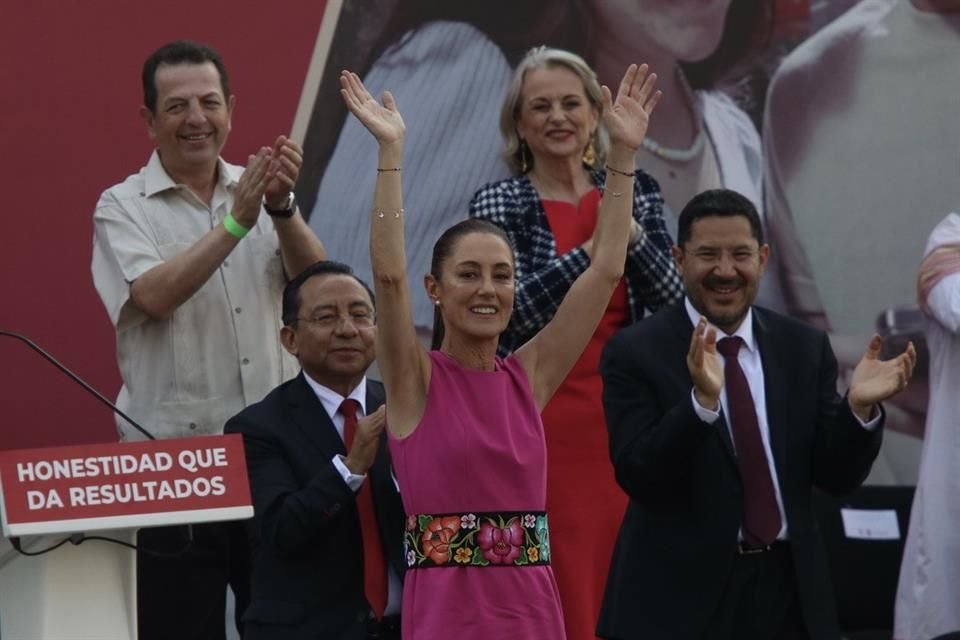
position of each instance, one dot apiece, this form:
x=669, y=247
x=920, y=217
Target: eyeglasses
x=359, y=319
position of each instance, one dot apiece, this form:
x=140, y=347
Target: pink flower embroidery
x=500, y=545
x=468, y=521
x=530, y=520
x=412, y=520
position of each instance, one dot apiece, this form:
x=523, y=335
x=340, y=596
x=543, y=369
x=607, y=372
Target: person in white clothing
x=190, y=269
x=929, y=588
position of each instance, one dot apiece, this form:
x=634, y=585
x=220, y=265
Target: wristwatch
x=286, y=211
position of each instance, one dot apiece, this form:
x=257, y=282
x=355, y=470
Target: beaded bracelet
x=234, y=228
x=618, y=172
x=379, y=170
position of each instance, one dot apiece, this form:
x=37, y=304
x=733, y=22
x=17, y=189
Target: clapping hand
x=705, y=366
x=363, y=451
x=382, y=120
x=251, y=187
x=876, y=380
x=628, y=116
x=286, y=158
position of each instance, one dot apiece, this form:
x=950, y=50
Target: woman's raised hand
x=628, y=116
x=382, y=120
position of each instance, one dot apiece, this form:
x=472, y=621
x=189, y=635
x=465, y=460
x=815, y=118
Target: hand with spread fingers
x=705, y=366
x=363, y=451
x=876, y=380
x=627, y=117
x=251, y=187
x=382, y=120
x=286, y=158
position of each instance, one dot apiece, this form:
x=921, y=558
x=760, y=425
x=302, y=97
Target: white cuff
x=870, y=425
x=707, y=415
x=353, y=480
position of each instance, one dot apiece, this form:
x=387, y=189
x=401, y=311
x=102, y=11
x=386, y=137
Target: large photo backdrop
x=837, y=118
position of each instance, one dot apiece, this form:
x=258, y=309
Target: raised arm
x=403, y=361
x=543, y=278
x=549, y=355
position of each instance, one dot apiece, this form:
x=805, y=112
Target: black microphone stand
x=79, y=538
x=70, y=374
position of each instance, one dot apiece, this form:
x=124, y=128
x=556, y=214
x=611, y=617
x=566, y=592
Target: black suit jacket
x=307, y=550
x=678, y=540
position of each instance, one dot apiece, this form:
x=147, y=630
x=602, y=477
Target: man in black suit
x=719, y=453
x=328, y=524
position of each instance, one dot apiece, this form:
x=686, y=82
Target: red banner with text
x=128, y=484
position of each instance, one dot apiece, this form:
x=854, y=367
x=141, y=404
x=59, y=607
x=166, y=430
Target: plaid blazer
x=543, y=278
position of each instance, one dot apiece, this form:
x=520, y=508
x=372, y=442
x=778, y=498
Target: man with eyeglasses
x=190, y=257
x=328, y=525
x=723, y=417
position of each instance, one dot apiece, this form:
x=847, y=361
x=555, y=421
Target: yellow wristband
x=234, y=228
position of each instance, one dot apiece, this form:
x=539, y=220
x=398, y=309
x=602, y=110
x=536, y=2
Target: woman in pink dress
x=464, y=425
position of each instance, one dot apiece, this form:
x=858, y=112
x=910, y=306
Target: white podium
x=75, y=592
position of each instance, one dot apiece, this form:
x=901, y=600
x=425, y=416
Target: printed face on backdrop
x=688, y=30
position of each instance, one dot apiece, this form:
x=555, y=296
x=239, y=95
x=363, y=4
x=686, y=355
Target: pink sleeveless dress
x=478, y=448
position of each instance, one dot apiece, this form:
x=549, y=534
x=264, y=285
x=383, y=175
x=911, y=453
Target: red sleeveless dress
x=584, y=502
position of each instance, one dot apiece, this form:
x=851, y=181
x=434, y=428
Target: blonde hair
x=539, y=58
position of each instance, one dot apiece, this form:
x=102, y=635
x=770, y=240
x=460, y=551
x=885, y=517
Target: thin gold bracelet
x=618, y=172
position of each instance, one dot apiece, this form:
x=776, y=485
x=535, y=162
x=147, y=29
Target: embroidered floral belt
x=480, y=539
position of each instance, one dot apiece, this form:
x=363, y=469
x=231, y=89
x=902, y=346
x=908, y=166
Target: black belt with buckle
x=385, y=628
x=746, y=549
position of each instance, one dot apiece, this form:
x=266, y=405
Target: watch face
x=285, y=211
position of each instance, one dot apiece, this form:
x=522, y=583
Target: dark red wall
x=69, y=128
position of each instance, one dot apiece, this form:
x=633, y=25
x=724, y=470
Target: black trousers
x=183, y=596
x=761, y=600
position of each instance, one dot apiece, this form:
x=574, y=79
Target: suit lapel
x=312, y=420
x=776, y=384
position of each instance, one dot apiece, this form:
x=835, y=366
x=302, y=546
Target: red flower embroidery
x=436, y=538
x=500, y=545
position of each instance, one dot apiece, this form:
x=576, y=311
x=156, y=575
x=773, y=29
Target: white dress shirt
x=331, y=401
x=752, y=366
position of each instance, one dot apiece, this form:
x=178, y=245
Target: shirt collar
x=744, y=331
x=331, y=400
x=156, y=178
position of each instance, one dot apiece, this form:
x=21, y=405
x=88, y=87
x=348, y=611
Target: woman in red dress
x=556, y=144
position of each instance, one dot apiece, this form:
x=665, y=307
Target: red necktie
x=761, y=516
x=374, y=567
